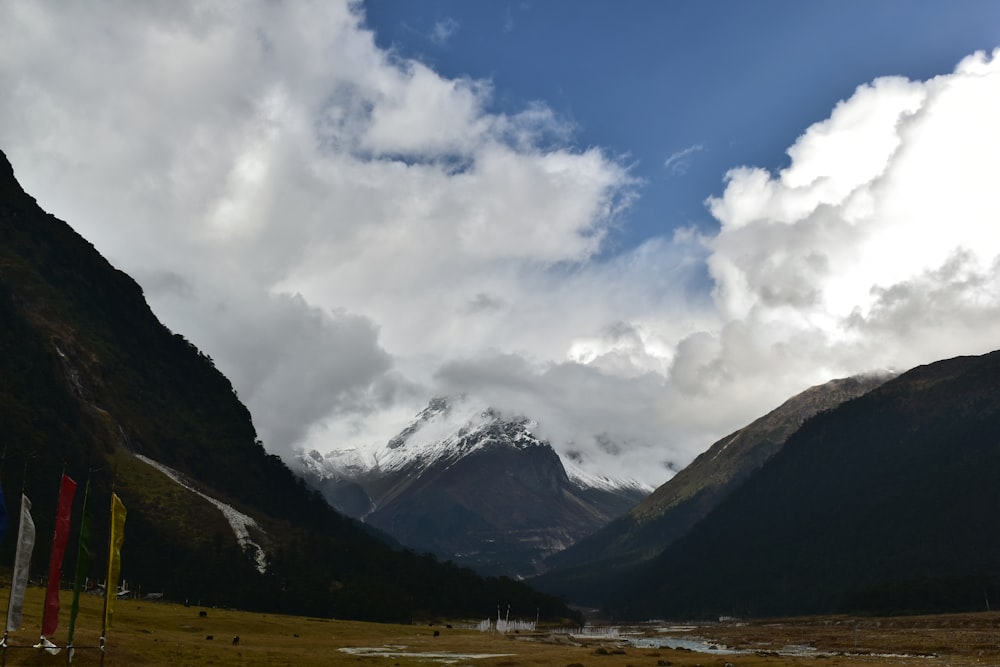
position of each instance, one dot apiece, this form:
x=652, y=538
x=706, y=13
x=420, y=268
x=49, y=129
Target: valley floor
x=953, y=639
x=160, y=633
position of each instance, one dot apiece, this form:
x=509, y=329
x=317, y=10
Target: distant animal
x=209, y=637
x=236, y=640
x=202, y=614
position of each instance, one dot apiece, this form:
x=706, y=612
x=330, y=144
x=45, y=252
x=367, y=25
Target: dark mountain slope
x=91, y=381
x=885, y=504
x=497, y=509
x=586, y=571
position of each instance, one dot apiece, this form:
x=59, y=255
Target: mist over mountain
x=93, y=385
x=591, y=569
x=471, y=485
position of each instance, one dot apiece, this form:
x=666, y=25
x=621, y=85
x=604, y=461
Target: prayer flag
x=50, y=616
x=22, y=563
x=82, y=563
x=114, y=556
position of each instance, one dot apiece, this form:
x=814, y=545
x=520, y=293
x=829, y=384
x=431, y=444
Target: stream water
x=678, y=643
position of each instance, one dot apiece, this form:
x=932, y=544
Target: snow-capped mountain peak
x=471, y=484
x=445, y=429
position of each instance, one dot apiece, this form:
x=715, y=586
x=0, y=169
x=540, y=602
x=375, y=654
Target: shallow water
x=400, y=652
x=679, y=643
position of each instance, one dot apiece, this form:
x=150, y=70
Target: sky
x=642, y=224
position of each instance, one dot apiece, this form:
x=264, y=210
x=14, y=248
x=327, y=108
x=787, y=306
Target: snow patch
x=447, y=430
x=725, y=446
x=589, y=480
x=240, y=523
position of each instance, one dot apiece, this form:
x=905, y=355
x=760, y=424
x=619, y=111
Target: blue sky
x=734, y=83
x=642, y=224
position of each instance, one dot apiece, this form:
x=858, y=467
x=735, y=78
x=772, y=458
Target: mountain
x=585, y=572
x=885, y=504
x=93, y=385
x=472, y=486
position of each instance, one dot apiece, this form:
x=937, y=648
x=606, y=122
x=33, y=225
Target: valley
x=669, y=328
x=164, y=633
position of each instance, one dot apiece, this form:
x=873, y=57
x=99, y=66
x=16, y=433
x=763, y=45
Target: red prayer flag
x=50, y=617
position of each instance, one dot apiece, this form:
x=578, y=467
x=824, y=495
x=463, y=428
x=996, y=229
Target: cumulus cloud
x=348, y=233
x=882, y=202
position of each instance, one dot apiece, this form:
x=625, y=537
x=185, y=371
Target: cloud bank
x=348, y=233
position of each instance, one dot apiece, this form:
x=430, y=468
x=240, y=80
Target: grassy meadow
x=162, y=633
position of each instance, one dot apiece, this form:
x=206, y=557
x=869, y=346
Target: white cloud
x=414, y=112
x=443, y=30
x=347, y=233
x=679, y=162
x=891, y=185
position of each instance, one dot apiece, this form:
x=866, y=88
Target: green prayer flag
x=82, y=563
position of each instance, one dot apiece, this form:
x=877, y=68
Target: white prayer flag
x=22, y=564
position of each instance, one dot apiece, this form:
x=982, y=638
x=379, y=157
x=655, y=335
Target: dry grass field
x=160, y=633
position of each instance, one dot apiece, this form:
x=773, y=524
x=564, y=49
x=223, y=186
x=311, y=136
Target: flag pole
x=107, y=581
x=82, y=563
x=45, y=605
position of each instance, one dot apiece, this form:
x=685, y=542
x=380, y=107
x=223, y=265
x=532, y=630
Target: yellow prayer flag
x=114, y=556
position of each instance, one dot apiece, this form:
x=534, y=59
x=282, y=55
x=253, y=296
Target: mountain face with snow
x=473, y=486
